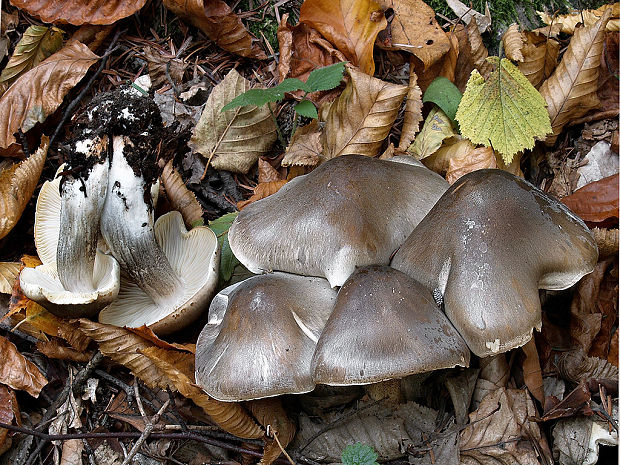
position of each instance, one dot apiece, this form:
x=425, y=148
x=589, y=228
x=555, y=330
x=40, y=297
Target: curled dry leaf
x=454, y=147
x=81, y=11
x=53, y=349
x=596, y=202
x=234, y=138
x=9, y=411
x=570, y=92
x=360, y=119
x=479, y=52
x=17, y=372
x=162, y=65
x=351, y=25
x=217, y=20
x=231, y=417
x=264, y=189
x=540, y=57
x=437, y=128
x=180, y=197
x=269, y=412
x=513, y=43
x=17, y=183
x=8, y=274
x=415, y=30
x=92, y=35
x=570, y=21
x=413, y=113
x=606, y=241
x=464, y=62
x=37, y=93
x=476, y=159
x=575, y=366
x=305, y=148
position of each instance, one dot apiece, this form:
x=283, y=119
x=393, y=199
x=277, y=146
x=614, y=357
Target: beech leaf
x=180, y=197
x=513, y=43
x=351, y=25
x=506, y=111
x=234, y=138
x=36, y=94
x=305, y=147
x=540, y=57
x=476, y=159
x=17, y=372
x=595, y=202
x=570, y=21
x=413, y=113
x=360, y=119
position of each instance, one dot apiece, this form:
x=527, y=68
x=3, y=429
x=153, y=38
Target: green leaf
x=359, y=454
x=260, y=97
x=445, y=95
x=228, y=261
x=306, y=108
x=506, y=111
x=325, y=78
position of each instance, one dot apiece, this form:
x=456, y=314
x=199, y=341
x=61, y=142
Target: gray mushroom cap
x=261, y=336
x=350, y=211
x=487, y=246
x=385, y=325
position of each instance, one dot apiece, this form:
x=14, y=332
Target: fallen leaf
x=234, y=138
x=608, y=93
x=596, y=202
x=461, y=388
x=270, y=414
x=53, y=349
x=606, y=241
x=532, y=374
x=443, y=93
x=148, y=334
x=613, y=350
x=415, y=30
x=453, y=147
x=180, y=197
x=576, y=367
x=18, y=372
x=576, y=401
x=36, y=94
x=217, y=20
x=267, y=173
x=37, y=43
x=477, y=159
x=261, y=191
x=501, y=431
x=413, y=113
x=466, y=13
x=570, y=92
x=162, y=65
x=305, y=147
x=72, y=452
x=437, y=128
x=351, y=25
x=540, y=57
x=570, y=21
x=494, y=374
x=80, y=12
x=479, y=52
x=513, y=43
x=17, y=184
x=92, y=35
x=465, y=61
x=8, y=409
x=8, y=274
x=505, y=111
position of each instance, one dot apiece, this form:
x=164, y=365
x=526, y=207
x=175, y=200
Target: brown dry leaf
x=575, y=366
x=162, y=65
x=8, y=274
x=92, y=35
x=261, y=191
x=540, y=57
x=454, y=147
x=576, y=401
x=606, y=241
x=270, y=413
x=501, y=431
x=234, y=139
x=72, y=452
x=229, y=416
x=8, y=403
x=608, y=77
x=351, y=25
x=613, y=356
x=180, y=197
x=267, y=173
x=305, y=147
x=53, y=349
x=37, y=93
x=17, y=183
x=514, y=167
x=216, y=19
x=147, y=333
x=360, y=119
x=477, y=159
x=570, y=92
x=596, y=202
x=465, y=61
x=415, y=30
x=532, y=373
x=586, y=17
x=80, y=12
x=513, y=43
x=413, y=113
x=479, y=52
x=17, y=372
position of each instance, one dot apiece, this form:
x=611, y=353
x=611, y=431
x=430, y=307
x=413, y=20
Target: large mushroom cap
x=350, y=211
x=261, y=336
x=385, y=325
x=487, y=246
x=194, y=258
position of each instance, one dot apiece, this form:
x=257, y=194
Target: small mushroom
x=486, y=248
x=261, y=336
x=385, y=325
x=350, y=211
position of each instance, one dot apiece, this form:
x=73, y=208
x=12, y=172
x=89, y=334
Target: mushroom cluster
x=465, y=265
x=101, y=250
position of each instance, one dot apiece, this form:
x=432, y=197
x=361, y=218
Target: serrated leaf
x=359, y=454
x=437, y=128
x=260, y=97
x=306, y=108
x=234, y=139
x=325, y=78
x=505, y=112
x=445, y=95
x=228, y=261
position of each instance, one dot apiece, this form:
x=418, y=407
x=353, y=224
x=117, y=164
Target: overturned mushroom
x=261, y=336
x=486, y=248
x=350, y=211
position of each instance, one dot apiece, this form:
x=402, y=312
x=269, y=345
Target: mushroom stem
x=127, y=227
x=82, y=200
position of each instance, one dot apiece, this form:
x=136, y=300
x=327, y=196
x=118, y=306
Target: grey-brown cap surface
x=350, y=211
x=261, y=336
x=487, y=246
x=385, y=325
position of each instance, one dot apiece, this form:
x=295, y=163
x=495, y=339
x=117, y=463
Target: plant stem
x=275, y=121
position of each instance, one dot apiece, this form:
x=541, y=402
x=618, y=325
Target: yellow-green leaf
x=437, y=127
x=506, y=111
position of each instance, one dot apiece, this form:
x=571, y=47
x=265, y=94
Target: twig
x=275, y=436
x=147, y=430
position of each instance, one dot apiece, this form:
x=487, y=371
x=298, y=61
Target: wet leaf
x=513, y=43
x=595, y=202
x=234, y=138
x=217, y=20
x=264, y=189
x=413, y=113
x=17, y=184
x=437, y=127
x=505, y=112
x=17, y=372
x=8, y=274
x=360, y=119
x=445, y=95
x=180, y=197
x=36, y=94
x=81, y=11
x=570, y=21
x=540, y=57
x=351, y=25
x=570, y=92
x=37, y=43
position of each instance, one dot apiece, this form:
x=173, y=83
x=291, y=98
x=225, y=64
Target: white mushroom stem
x=82, y=201
x=127, y=227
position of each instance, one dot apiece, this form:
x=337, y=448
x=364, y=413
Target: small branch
x=147, y=431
